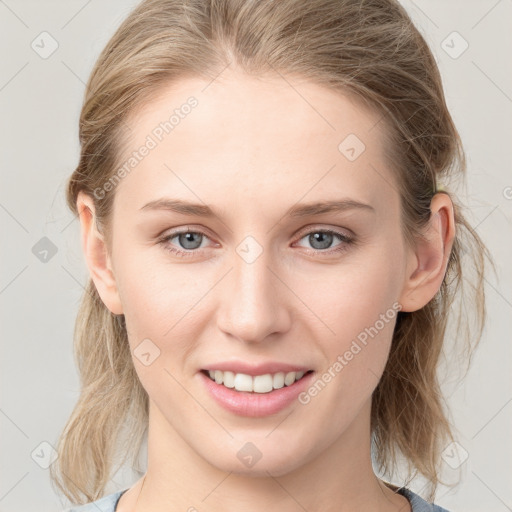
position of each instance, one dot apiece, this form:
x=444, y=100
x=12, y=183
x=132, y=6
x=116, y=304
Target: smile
x=254, y=384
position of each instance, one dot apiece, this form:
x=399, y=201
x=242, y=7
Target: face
x=265, y=285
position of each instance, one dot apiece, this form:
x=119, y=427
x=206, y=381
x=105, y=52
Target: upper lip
x=256, y=369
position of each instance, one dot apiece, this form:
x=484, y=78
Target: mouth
x=255, y=384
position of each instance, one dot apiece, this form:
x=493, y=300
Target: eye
x=322, y=239
x=189, y=240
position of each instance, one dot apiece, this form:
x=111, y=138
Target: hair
x=368, y=49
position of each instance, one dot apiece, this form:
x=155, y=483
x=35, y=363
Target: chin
x=259, y=458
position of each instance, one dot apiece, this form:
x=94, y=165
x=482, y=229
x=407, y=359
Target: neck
x=340, y=478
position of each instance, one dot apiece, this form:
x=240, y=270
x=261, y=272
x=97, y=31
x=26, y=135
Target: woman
x=272, y=261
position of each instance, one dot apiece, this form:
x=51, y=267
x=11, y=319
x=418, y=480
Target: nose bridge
x=252, y=307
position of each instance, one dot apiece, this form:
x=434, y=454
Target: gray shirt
x=108, y=503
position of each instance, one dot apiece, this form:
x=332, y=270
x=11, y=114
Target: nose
x=254, y=303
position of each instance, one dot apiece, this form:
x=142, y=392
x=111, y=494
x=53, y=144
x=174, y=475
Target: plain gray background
x=40, y=101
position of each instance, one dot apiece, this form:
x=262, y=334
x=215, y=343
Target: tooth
x=278, y=380
x=258, y=384
x=290, y=378
x=229, y=379
x=243, y=382
x=262, y=383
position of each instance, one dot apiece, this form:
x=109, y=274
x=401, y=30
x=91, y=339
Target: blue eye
x=188, y=238
x=190, y=241
x=323, y=239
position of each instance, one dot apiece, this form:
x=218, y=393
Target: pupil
x=318, y=237
x=186, y=241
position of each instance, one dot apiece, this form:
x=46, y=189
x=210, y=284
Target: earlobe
x=429, y=258
x=96, y=255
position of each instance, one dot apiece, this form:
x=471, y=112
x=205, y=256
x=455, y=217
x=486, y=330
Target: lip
x=256, y=369
x=254, y=405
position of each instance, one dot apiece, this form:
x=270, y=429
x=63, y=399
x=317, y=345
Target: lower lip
x=244, y=403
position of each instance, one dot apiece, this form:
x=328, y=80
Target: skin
x=250, y=161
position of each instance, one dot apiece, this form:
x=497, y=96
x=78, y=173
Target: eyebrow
x=298, y=210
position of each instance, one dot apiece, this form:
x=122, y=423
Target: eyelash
x=346, y=241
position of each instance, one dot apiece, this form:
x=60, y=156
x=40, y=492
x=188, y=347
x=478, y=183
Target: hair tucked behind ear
x=111, y=397
x=408, y=415
x=368, y=49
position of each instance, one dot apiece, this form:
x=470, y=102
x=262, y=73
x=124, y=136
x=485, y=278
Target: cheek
x=357, y=311
x=160, y=304
x=347, y=299
x=154, y=292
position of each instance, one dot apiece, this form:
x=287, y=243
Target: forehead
x=266, y=139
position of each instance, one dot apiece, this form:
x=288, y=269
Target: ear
x=96, y=255
x=428, y=260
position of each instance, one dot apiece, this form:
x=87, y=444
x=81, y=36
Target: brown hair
x=369, y=49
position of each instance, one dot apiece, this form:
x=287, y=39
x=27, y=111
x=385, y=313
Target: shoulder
x=418, y=504
x=106, y=504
